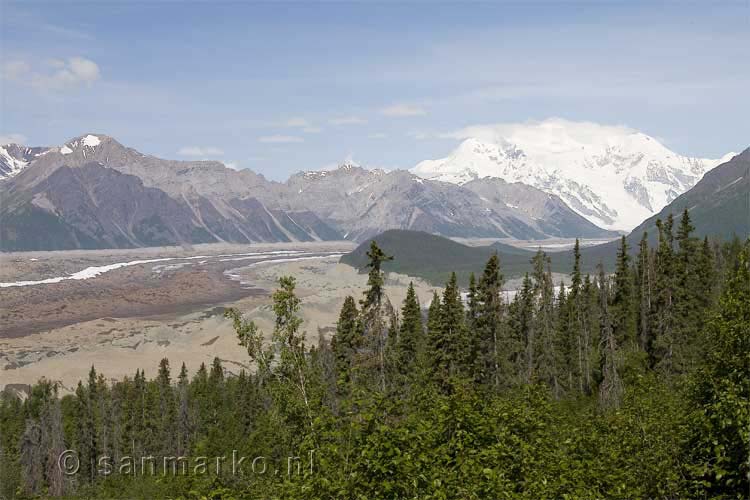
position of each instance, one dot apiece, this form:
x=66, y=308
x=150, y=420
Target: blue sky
x=281, y=87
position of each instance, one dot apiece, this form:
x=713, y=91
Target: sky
x=283, y=87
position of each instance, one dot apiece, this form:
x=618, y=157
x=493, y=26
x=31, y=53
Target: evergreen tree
x=410, y=339
x=643, y=280
x=183, y=412
x=167, y=409
x=611, y=388
x=706, y=276
x=491, y=341
x=544, y=350
x=433, y=316
x=562, y=329
x=432, y=338
x=590, y=325
x=449, y=344
x=522, y=319
x=375, y=280
x=376, y=315
x=472, y=301
x=574, y=343
x=663, y=322
x=688, y=296
x=346, y=341
x=622, y=311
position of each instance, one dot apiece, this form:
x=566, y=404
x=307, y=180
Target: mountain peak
x=614, y=176
x=87, y=140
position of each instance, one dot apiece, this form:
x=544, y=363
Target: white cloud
x=16, y=70
x=55, y=74
x=347, y=120
x=420, y=136
x=378, y=135
x=280, y=139
x=549, y=134
x=299, y=123
x=296, y=122
x=73, y=72
x=200, y=151
x=403, y=110
x=12, y=139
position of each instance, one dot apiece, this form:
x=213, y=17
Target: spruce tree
x=376, y=316
x=663, y=321
x=167, y=409
x=562, y=327
x=706, y=275
x=643, y=281
x=522, y=318
x=622, y=311
x=449, y=345
x=574, y=344
x=345, y=341
x=472, y=302
x=590, y=329
x=183, y=412
x=375, y=280
x=689, y=314
x=491, y=342
x=411, y=334
x=611, y=387
x=544, y=352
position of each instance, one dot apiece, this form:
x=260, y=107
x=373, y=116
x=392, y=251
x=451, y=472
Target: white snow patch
x=89, y=272
x=65, y=150
x=91, y=141
x=16, y=165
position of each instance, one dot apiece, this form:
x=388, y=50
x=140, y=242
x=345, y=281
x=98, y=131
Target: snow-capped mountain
x=15, y=157
x=614, y=176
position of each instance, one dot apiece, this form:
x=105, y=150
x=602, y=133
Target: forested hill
x=433, y=257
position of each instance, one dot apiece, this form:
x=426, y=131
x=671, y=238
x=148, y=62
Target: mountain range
x=613, y=176
x=93, y=192
x=559, y=180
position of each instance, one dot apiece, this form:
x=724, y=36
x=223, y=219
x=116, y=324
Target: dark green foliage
x=448, y=340
x=720, y=446
x=623, y=319
x=374, y=293
x=411, y=335
x=490, y=337
x=434, y=257
x=345, y=342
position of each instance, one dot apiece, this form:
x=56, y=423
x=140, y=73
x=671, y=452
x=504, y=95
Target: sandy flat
x=183, y=331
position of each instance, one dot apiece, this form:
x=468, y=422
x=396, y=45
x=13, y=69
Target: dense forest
x=634, y=384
